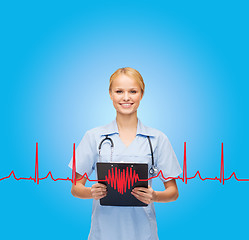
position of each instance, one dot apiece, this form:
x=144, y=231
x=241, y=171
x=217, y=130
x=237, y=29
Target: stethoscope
x=153, y=170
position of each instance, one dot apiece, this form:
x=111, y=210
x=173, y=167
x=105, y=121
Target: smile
x=126, y=105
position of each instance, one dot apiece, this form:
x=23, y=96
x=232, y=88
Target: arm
x=169, y=194
x=79, y=190
x=148, y=195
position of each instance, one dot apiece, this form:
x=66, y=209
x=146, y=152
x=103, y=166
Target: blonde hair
x=131, y=72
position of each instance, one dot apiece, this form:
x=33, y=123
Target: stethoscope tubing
x=153, y=169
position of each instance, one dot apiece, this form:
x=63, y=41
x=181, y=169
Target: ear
x=110, y=93
x=142, y=94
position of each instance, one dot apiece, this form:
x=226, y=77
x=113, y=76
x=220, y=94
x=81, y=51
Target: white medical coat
x=122, y=223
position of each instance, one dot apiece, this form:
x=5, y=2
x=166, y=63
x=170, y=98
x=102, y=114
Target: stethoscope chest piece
x=153, y=170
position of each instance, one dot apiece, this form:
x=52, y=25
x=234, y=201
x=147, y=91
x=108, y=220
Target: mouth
x=126, y=105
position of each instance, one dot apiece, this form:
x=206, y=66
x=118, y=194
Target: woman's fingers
x=143, y=194
x=99, y=185
x=98, y=191
x=99, y=196
x=140, y=198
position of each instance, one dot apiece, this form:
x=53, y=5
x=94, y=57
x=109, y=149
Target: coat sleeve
x=167, y=161
x=85, y=155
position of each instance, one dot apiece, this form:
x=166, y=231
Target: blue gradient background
x=56, y=60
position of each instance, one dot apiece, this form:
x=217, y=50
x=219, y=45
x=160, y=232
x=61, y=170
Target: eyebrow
x=118, y=88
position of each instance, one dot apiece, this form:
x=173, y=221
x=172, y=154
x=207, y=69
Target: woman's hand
x=98, y=191
x=145, y=195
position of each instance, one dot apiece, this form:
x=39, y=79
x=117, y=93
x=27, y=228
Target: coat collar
x=112, y=128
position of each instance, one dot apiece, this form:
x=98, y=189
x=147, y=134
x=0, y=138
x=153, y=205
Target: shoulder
x=99, y=130
x=93, y=135
x=160, y=141
x=156, y=133
x=158, y=138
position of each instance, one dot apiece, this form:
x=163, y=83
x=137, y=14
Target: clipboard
x=120, y=179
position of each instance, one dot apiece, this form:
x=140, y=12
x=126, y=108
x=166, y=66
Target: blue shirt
x=122, y=223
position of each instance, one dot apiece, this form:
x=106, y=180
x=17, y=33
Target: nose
x=126, y=96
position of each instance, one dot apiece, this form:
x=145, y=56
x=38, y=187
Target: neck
x=127, y=122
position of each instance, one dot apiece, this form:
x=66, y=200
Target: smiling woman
x=126, y=95
x=130, y=136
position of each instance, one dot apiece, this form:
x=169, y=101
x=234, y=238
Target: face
x=126, y=94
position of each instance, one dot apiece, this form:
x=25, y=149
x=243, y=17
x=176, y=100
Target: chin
x=126, y=112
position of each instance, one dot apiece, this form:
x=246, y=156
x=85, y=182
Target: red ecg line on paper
x=184, y=178
x=122, y=180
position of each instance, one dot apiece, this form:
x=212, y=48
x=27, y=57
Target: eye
x=118, y=91
x=133, y=91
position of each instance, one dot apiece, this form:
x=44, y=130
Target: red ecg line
x=120, y=180
x=184, y=178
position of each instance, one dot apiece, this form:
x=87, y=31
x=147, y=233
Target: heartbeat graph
x=122, y=180
x=113, y=180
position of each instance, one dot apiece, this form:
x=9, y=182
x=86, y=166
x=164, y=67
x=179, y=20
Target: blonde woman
x=126, y=89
